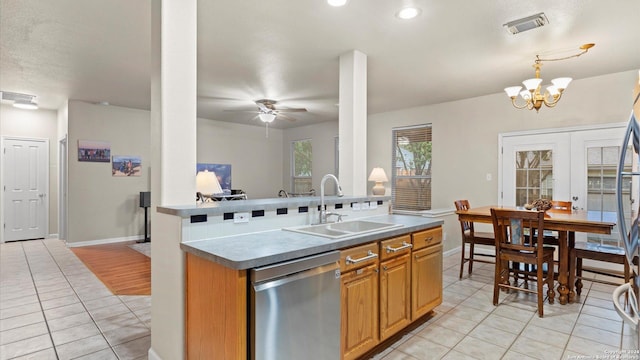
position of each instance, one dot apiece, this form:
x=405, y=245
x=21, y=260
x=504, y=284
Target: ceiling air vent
x=528, y=23
x=11, y=96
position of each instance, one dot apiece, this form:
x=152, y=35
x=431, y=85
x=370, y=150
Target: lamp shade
x=378, y=174
x=207, y=183
x=561, y=83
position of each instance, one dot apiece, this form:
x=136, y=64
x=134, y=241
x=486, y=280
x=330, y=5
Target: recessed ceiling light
x=337, y=2
x=408, y=13
x=28, y=105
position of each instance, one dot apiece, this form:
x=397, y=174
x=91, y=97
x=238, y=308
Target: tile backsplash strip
x=226, y=218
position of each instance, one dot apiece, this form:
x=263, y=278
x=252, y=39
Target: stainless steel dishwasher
x=295, y=309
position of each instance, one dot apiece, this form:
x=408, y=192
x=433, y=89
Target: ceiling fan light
x=532, y=84
x=513, y=91
x=561, y=83
x=337, y=3
x=267, y=117
x=28, y=105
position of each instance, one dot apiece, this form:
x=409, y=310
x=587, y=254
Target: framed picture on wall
x=94, y=151
x=223, y=173
x=126, y=165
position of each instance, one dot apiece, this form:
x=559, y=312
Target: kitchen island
x=380, y=295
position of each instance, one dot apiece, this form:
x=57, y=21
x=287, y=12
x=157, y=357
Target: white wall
x=102, y=207
x=36, y=124
x=465, y=135
x=322, y=137
x=256, y=160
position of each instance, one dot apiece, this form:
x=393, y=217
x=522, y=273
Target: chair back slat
x=466, y=226
x=513, y=229
x=560, y=206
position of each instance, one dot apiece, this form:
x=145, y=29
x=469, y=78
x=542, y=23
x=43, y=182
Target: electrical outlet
x=240, y=217
x=365, y=205
x=355, y=206
x=373, y=205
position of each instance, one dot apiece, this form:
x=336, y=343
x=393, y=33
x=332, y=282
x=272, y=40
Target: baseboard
x=452, y=251
x=153, y=355
x=52, y=236
x=104, y=241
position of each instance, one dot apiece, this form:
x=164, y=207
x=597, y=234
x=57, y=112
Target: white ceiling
x=95, y=50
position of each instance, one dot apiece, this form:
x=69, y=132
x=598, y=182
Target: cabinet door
x=359, y=311
x=426, y=280
x=395, y=300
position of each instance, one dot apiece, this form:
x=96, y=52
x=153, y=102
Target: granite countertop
x=257, y=249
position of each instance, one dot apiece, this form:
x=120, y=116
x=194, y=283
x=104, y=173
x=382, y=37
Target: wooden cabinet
x=359, y=311
x=359, y=300
x=395, y=295
x=426, y=272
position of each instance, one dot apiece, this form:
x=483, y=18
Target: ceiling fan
x=267, y=111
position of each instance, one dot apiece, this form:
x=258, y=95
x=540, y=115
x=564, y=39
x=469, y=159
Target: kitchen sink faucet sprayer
x=323, y=212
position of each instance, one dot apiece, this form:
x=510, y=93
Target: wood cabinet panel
x=395, y=295
x=348, y=256
x=359, y=305
x=426, y=238
x=426, y=280
x=216, y=311
x=395, y=246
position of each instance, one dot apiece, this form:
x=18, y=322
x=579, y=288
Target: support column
x=352, y=129
x=173, y=164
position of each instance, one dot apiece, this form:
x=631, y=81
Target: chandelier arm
x=513, y=101
x=584, y=49
x=553, y=102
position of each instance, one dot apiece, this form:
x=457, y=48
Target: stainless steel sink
x=343, y=229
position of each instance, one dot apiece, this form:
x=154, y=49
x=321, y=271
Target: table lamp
x=378, y=175
x=207, y=183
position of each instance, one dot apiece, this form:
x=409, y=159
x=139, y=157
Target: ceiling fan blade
x=285, y=116
x=248, y=111
x=291, y=110
x=263, y=107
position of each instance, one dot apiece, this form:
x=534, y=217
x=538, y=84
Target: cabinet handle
x=384, y=268
x=404, y=246
x=370, y=255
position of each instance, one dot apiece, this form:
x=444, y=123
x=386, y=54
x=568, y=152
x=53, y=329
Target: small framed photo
x=94, y=151
x=126, y=165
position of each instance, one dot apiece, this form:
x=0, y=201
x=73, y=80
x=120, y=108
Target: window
x=534, y=176
x=301, y=166
x=411, y=162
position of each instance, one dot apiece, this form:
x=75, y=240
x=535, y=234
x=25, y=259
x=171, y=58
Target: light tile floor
x=53, y=307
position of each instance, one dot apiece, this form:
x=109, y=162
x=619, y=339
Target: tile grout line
x=26, y=257
x=83, y=305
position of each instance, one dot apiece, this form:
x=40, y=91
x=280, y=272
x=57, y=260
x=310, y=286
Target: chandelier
x=532, y=95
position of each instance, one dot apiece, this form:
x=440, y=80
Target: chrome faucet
x=323, y=212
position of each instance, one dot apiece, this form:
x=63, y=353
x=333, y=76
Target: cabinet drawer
x=427, y=238
x=359, y=256
x=395, y=246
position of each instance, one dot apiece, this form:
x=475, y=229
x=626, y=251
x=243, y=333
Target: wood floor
x=123, y=270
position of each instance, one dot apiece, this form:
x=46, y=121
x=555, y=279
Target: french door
x=577, y=165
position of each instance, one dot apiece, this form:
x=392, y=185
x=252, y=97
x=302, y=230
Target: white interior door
x=25, y=169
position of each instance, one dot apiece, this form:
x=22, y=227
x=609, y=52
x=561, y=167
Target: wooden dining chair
x=472, y=237
x=593, y=251
x=514, y=246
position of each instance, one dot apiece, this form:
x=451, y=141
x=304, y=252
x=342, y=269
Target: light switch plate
x=240, y=217
x=365, y=205
x=355, y=207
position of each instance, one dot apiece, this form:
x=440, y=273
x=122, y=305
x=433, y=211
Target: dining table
x=565, y=223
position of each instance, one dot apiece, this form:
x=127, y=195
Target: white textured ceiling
x=288, y=51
